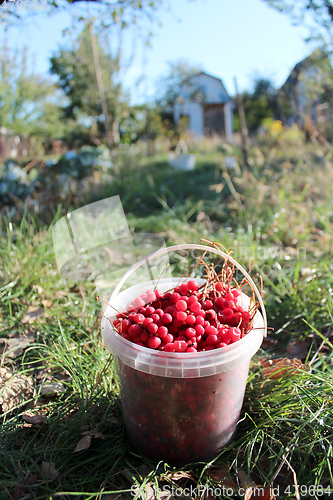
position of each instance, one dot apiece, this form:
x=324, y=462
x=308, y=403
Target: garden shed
x=206, y=106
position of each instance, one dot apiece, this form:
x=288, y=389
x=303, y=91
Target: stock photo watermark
x=199, y=491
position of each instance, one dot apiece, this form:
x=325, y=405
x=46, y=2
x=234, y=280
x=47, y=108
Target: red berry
x=144, y=336
x=174, y=297
x=169, y=347
x=147, y=321
x=219, y=287
x=166, y=319
x=181, y=315
x=134, y=330
x=234, y=334
x=199, y=329
x=168, y=338
x=177, y=323
x=190, y=319
x=208, y=304
x=199, y=320
x=184, y=288
x=192, y=285
x=234, y=320
x=162, y=332
x=139, y=318
x=191, y=349
x=180, y=345
x=195, y=307
x=151, y=296
x=235, y=292
x=190, y=333
x=181, y=305
x=192, y=299
x=154, y=342
x=229, y=296
x=210, y=314
x=125, y=324
x=246, y=316
x=210, y=330
x=212, y=340
x=228, y=312
x=138, y=302
x=149, y=311
x=152, y=328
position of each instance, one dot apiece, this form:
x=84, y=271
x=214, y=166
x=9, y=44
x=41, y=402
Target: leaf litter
x=15, y=388
x=282, y=367
x=32, y=314
x=49, y=470
x=85, y=441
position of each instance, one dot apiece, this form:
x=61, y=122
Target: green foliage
x=260, y=104
x=28, y=102
x=77, y=79
x=169, y=86
x=145, y=122
x=123, y=12
x=317, y=15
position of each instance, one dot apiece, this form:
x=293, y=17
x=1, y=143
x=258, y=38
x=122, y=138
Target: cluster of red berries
x=186, y=319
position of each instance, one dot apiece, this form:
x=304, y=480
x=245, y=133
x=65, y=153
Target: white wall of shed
x=194, y=111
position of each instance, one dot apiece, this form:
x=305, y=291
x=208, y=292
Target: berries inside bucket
x=188, y=318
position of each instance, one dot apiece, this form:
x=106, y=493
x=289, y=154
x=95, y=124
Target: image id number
x=20, y=5
x=312, y=490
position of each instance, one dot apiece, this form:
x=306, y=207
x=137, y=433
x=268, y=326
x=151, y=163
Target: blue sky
x=242, y=38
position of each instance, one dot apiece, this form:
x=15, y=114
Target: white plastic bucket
x=180, y=407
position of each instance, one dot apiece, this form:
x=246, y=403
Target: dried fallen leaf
x=34, y=419
x=52, y=388
x=299, y=349
x=14, y=388
x=83, y=444
x=21, y=490
x=32, y=314
x=49, y=471
x=259, y=492
x=39, y=289
x=47, y=303
x=12, y=348
x=94, y=433
x=175, y=476
x=278, y=368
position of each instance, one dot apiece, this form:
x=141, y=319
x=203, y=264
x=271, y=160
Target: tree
x=260, y=104
x=125, y=12
x=28, y=102
x=170, y=84
x=316, y=14
x=77, y=78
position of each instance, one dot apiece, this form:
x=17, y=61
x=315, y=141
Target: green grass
x=286, y=424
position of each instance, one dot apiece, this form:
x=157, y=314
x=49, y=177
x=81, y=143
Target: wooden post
x=100, y=84
x=243, y=127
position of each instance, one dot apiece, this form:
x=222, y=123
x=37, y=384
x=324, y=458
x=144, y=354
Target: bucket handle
x=204, y=248
x=181, y=148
